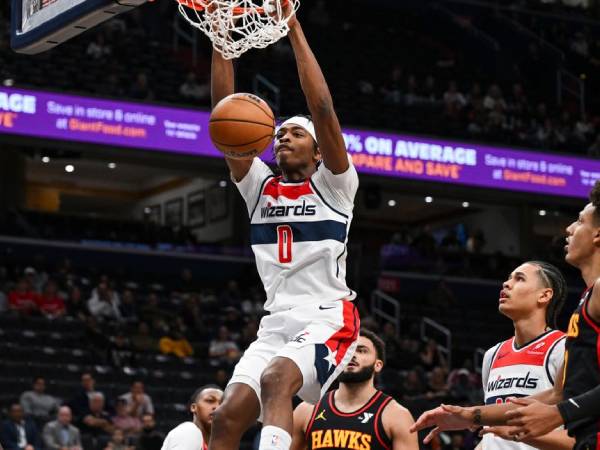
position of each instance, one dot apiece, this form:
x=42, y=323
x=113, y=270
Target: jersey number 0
x=285, y=238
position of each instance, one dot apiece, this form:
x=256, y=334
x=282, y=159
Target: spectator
x=18, y=432
x=223, y=349
x=128, y=307
x=138, y=402
x=192, y=90
x=37, y=404
x=98, y=49
x=176, y=344
x=232, y=295
x=151, y=310
x=392, y=89
x=96, y=426
x=128, y=424
x=142, y=341
x=140, y=89
x=60, y=434
x=23, y=299
x=494, y=97
x=80, y=402
x=392, y=344
x=437, y=388
x=50, y=303
x=151, y=438
x=118, y=442
x=104, y=303
x=454, y=100
x=98, y=342
x=37, y=280
x=120, y=351
x=431, y=356
x=76, y=307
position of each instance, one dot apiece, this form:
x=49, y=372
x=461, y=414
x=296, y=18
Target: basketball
x=242, y=126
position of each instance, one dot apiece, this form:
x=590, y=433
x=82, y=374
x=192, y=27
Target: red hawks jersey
x=509, y=371
x=298, y=233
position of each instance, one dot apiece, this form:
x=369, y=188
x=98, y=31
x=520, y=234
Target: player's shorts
x=319, y=338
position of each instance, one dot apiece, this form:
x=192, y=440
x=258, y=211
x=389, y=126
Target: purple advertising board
x=178, y=130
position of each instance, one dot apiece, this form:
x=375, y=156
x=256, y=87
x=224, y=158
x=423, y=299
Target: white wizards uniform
x=299, y=232
x=508, y=371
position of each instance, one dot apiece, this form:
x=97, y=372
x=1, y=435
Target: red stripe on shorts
x=346, y=335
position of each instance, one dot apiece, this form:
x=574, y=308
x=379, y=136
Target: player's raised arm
x=222, y=84
x=318, y=98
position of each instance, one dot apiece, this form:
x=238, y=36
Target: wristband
x=584, y=406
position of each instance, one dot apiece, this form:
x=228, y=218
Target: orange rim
x=200, y=5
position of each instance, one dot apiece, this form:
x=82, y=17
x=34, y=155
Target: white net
x=236, y=26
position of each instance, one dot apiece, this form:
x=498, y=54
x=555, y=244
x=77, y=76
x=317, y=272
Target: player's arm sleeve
x=179, y=439
x=555, y=360
x=338, y=189
x=486, y=365
x=250, y=186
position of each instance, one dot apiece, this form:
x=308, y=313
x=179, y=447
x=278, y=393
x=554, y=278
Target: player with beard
x=356, y=415
x=575, y=400
x=195, y=435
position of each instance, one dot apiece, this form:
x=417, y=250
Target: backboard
x=39, y=25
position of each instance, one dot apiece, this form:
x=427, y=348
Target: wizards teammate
x=196, y=434
x=530, y=362
x=299, y=229
x=575, y=401
x=357, y=416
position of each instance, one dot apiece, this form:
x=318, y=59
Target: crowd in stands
x=122, y=321
x=430, y=85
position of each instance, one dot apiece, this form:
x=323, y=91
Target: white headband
x=303, y=122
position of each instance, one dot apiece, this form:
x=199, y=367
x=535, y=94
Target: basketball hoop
x=236, y=26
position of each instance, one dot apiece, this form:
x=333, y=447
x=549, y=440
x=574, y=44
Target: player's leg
x=237, y=413
x=241, y=404
x=306, y=366
x=280, y=381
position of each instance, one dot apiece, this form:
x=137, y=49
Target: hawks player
x=356, y=416
x=196, y=434
x=574, y=401
x=529, y=362
x=299, y=229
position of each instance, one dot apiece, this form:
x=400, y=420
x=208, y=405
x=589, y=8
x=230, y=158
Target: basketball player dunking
x=530, y=362
x=299, y=229
x=574, y=400
x=196, y=434
x=356, y=416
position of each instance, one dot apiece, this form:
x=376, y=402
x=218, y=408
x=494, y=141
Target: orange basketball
x=242, y=126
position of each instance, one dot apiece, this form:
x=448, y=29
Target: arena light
x=542, y=212
x=45, y=159
x=465, y=204
x=8, y=82
x=392, y=203
x=112, y=165
x=69, y=168
x=147, y=210
x=222, y=183
x=428, y=199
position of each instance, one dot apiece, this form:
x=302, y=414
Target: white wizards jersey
x=299, y=232
x=509, y=371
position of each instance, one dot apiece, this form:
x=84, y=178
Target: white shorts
x=319, y=338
